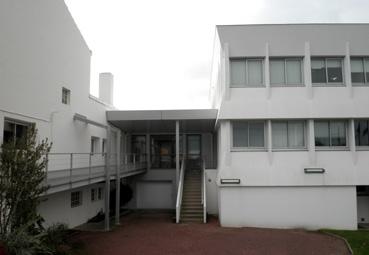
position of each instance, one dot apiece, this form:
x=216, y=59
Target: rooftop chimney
x=106, y=87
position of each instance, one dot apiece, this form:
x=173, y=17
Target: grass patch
x=358, y=240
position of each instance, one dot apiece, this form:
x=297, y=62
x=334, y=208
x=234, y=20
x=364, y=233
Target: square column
x=107, y=177
x=177, y=153
x=117, y=180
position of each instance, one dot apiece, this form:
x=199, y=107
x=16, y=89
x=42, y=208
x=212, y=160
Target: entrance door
x=193, y=146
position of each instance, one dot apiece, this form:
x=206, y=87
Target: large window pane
x=338, y=133
x=321, y=133
x=318, y=71
x=238, y=73
x=361, y=133
x=255, y=72
x=296, y=137
x=293, y=71
x=357, y=70
x=240, y=134
x=334, y=68
x=256, y=134
x=366, y=63
x=279, y=134
x=277, y=71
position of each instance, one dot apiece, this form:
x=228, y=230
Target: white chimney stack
x=106, y=87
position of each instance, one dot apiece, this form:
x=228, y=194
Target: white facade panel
x=288, y=207
x=57, y=207
x=154, y=195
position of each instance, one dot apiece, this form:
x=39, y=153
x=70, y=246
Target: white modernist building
x=284, y=145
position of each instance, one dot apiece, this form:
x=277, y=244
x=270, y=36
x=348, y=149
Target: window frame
x=248, y=148
x=100, y=192
x=94, y=145
x=363, y=61
x=16, y=123
x=76, y=203
x=330, y=147
x=93, y=195
x=247, y=85
x=327, y=83
x=66, y=96
x=360, y=147
x=285, y=60
x=288, y=148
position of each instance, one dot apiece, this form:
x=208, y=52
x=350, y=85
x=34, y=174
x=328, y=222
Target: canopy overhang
x=164, y=121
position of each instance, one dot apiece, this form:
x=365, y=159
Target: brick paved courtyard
x=155, y=233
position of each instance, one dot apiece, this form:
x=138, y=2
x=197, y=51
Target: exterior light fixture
x=314, y=170
x=230, y=181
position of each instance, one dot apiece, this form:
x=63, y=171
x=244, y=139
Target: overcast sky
x=160, y=51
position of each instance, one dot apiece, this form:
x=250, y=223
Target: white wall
x=44, y=52
x=57, y=207
x=211, y=191
x=162, y=177
x=289, y=207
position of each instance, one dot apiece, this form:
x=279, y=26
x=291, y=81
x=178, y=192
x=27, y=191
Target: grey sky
x=160, y=51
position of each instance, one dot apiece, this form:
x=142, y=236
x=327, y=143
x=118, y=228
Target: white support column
x=267, y=72
x=311, y=142
x=307, y=71
x=351, y=139
x=2, y=127
x=184, y=144
x=269, y=141
x=148, y=149
x=177, y=154
x=107, y=178
x=347, y=71
x=117, y=188
x=226, y=74
x=228, y=142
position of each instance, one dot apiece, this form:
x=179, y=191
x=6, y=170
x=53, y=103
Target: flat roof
x=163, y=121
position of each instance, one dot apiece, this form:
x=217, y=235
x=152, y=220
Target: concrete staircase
x=192, y=208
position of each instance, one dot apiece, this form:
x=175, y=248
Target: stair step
x=192, y=211
x=190, y=207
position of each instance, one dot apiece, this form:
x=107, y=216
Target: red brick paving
x=157, y=234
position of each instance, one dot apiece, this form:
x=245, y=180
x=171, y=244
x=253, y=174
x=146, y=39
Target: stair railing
x=180, y=191
x=203, y=189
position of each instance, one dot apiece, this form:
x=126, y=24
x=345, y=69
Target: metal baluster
x=70, y=170
x=89, y=169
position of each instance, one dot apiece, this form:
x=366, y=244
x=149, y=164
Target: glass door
x=193, y=146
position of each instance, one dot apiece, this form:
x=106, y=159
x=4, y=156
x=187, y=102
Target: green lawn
x=358, y=240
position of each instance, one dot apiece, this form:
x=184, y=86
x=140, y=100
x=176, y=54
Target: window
x=360, y=70
x=288, y=134
x=76, y=198
x=94, y=144
x=103, y=146
x=248, y=134
x=286, y=71
x=361, y=133
x=326, y=70
x=96, y=194
x=246, y=72
x=14, y=130
x=330, y=133
x=93, y=195
x=139, y=144
x=65, y=96
x=99, y=193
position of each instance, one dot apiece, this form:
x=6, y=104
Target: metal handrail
x=180, y=191
x=66, y=167
x=204, y=190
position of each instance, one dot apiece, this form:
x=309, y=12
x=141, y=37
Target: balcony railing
x=70, y=168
